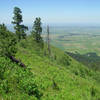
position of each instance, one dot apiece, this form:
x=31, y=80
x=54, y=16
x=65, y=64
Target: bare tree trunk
x=48, y=40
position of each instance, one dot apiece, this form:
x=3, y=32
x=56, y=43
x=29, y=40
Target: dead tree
x=48, y=41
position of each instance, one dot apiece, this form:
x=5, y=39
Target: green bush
x=7, y=42
x=14, y=79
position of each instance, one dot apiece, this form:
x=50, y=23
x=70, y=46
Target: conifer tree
x=17, y=20
x=37, y=30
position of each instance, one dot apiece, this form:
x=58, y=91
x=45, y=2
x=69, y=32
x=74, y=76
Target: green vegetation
x=7, y=42
x=81, y=43
x=37, y=30
x=92, y=60
x=30, y=73
x=61, y=78
x=16, y=83
x=20, y=29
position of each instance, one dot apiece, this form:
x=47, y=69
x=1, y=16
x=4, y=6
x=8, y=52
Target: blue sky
x=53, y=11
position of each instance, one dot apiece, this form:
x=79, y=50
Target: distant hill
x=92, y=60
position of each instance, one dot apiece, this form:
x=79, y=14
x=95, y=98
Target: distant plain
x=76, y=39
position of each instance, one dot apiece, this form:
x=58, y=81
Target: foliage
x=58, y=77
x=15, y=80
x=7, y=42
x=92, y=60
x=20, y=29
x=37, y=30
x=46, y=78
x=61, y=78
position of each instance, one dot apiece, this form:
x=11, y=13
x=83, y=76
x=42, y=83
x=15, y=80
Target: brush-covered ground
x=54, y=77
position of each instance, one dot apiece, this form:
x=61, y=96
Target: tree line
x=21, y=29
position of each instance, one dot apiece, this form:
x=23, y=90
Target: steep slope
x=59, y=77
x=16, y=83
x=55, y=77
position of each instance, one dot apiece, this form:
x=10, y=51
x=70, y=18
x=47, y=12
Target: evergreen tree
x=37, y=30
x=17, y=20
x=23, y=30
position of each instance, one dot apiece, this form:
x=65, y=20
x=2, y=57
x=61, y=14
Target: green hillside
x=55, y=77
x=31, y=69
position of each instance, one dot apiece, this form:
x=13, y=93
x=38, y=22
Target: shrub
x=7, y=42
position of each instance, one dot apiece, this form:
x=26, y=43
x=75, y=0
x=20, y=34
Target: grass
x=59, y=79
x=55, y=77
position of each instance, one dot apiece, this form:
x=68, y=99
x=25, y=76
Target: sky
x=52, y=11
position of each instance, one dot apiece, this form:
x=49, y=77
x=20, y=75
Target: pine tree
x=23, y=30
x=17, y=20
x=37, y=30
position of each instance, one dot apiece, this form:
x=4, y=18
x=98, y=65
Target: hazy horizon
x=53, y=11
